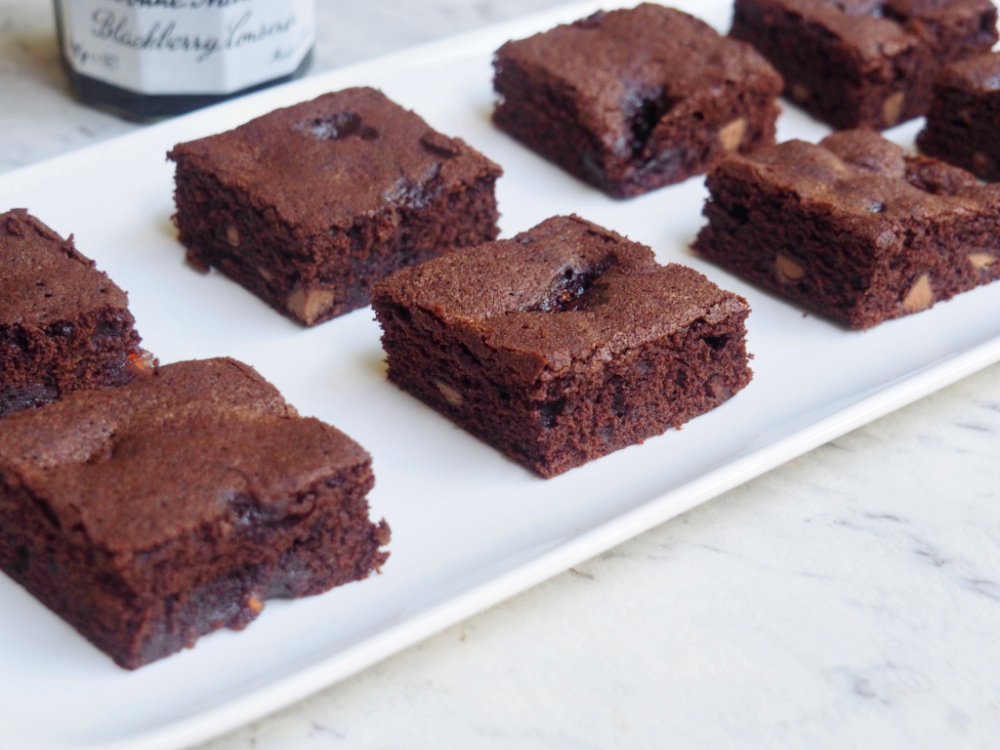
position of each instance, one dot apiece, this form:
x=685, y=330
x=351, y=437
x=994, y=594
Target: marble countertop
x=850, y=598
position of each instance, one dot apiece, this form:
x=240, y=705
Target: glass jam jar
x=147, y=59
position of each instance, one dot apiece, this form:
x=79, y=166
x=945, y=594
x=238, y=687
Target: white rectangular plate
x=470, y=528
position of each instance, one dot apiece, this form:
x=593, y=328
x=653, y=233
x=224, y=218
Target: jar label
x=187, y=46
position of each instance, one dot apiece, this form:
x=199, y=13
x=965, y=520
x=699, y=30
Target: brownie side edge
x=573, y=419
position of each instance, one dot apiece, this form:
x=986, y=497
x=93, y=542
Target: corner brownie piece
x=633, y=100
x=562, y=344
x=854, y=228
x=963, y=124
x=64, y=325
x=864, y=62
x=308, y=205
x=149, y=515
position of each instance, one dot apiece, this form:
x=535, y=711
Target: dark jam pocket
x=644, y=108
x=337, y=126
x=571, y=286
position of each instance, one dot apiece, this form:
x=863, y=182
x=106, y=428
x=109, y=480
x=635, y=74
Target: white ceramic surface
x=470, y=528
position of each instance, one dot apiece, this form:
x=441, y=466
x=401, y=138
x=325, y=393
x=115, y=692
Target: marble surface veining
x=848, y=599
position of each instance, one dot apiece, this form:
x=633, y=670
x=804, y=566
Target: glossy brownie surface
x=976, y=75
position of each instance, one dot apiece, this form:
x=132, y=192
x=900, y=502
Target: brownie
x=562, y=344
x=308, y=205
x=853, y=228
x=963, y=124
x=633, y=100
x=855, y=63
x=151, y=514
x=64, y=325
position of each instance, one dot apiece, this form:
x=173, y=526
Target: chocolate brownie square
x=854, y=228
x=562, y=344
x=633, y=100
x=149, y=515
x=64, y=325
x=864, y=62
x=308, y=205
x=963, y=124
